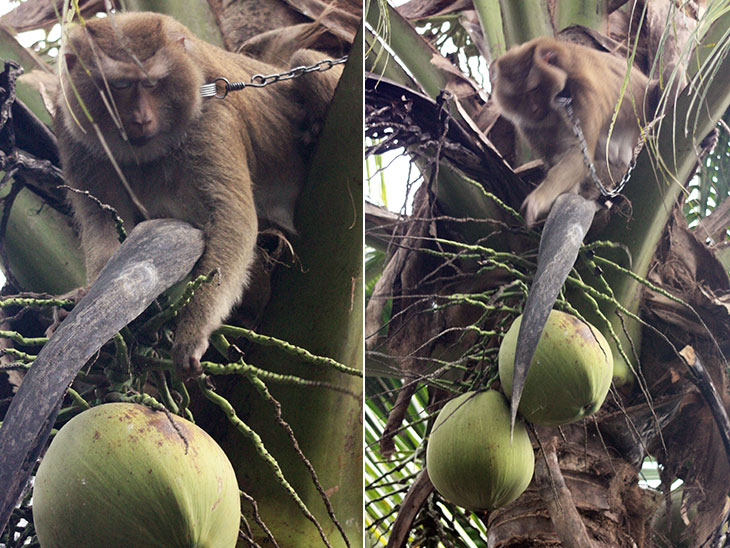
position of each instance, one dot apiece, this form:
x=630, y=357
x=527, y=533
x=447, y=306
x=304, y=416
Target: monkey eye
x=150, y=83
x=120, y=84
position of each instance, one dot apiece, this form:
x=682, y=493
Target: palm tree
x=459, y=264
x=292, y=429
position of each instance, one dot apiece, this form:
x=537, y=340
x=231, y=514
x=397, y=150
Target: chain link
x=259, y=80
x=566, y=103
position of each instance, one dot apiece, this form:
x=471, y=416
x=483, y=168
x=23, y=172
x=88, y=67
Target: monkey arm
x=564, y=176
x=564, y=153
x=229, y=250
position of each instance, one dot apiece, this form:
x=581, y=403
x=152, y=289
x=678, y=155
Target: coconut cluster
x=472, y=458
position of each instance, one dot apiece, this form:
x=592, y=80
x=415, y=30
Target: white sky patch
x=29, y=38
x=6, y=6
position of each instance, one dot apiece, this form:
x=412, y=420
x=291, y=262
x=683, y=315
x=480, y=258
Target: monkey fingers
x=192, y=371
x=537, y=204
x=186, y=355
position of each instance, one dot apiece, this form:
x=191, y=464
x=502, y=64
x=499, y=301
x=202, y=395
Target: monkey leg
x=99, y=237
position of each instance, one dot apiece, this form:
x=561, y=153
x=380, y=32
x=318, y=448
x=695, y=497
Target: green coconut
x=570, y=373
x=469, y=457
x=121, y=475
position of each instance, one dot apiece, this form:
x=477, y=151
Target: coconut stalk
x=523, y=21
x=589, y=13
x=198, y=16
x=490, y=19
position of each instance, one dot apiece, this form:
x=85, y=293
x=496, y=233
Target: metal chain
x=566, y=103
x=259, y=80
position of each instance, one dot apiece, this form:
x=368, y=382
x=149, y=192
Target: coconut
x=469, y=457
x=570, y=373
x=121, y=475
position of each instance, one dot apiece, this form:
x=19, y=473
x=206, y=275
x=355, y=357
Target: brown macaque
x=202, y=160
x=527, y=83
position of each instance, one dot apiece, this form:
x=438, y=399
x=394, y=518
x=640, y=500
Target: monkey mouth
x=140, y=140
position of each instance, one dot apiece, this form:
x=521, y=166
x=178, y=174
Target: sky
x=26, y=38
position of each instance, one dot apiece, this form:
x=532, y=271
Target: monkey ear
x=70, y=59
x=546, y=53
x=549, y=55
x=182, y=40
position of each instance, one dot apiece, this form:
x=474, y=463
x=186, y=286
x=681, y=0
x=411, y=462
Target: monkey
x=210, y=162
x=529, y=82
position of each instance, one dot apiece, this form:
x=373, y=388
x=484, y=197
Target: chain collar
x=220, y=86
x=566, y=103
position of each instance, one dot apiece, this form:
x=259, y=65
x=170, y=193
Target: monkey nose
x=140, y=131
x=141, y=123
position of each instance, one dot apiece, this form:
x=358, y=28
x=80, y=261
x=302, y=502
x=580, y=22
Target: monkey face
x=527, y=81
x=141, y=99
x=139, y=104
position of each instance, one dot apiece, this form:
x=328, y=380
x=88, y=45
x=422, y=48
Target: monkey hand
x=536, y=205
x=187, y=351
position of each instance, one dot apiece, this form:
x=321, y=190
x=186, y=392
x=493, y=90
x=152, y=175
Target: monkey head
x=133, y=77
x=528, y=79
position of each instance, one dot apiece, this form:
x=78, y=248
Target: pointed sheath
x=566, y=226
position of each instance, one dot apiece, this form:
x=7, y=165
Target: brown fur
x=199, y=160
x=526, y=83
